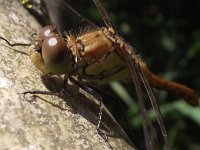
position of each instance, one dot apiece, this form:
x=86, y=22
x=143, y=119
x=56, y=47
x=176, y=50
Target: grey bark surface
x=48, y=122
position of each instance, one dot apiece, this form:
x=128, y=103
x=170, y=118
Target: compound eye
x=43, y=33
x=54, y=50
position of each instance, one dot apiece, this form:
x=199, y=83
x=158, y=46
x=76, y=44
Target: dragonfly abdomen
x=176, y=88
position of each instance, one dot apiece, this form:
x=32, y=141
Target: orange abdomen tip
x=178, y=89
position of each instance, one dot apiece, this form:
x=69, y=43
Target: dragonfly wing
x=65, y=17
x=138, y=76
x=104, y=14
x=154, y=105
x=132, y=64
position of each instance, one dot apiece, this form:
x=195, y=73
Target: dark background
x=166, y=33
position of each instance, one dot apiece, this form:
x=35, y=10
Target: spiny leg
x=41, y=92
x=118, y=103
x=92, y=92
x=53, y=91
x=15, y=44
x=33, y=93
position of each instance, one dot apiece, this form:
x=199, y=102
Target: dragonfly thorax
x=99, y=58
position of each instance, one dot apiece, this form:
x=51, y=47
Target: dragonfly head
x=42, y=34
x=50, y=53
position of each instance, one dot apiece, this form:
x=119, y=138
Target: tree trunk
x=43, y=121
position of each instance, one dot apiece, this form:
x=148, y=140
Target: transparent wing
x=103, y=14
x=155, y=106
x=59, y=13
x=65, y=17
x=132, y=64
x=138, y=76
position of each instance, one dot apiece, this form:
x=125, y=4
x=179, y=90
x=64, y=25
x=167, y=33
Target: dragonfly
x=101, y=55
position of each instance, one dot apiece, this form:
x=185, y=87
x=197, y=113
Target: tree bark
x=43, y=121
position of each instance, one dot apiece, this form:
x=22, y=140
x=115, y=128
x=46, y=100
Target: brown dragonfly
x=100, y=55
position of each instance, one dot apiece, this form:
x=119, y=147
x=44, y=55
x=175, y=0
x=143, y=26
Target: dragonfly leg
x=64, y=87
x=40, y=92
x=99, y=98
x=95, y=94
